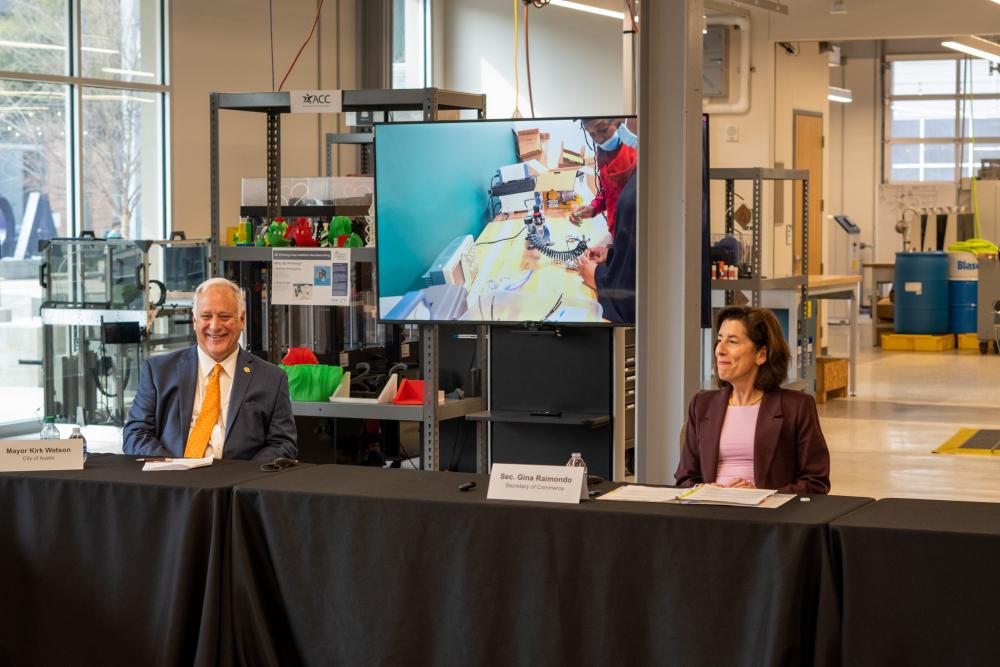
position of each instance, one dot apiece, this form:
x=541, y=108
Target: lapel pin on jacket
x=246, y=369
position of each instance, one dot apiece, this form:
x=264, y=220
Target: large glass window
x=937, y=109
x=33, y=36
x=83, y=100
x=123, y=171
x=121, y=40
x=33, y=164
x=411, y=43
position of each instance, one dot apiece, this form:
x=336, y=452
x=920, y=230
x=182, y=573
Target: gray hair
x=241, y=301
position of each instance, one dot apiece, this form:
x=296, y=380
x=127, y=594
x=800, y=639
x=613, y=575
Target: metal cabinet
x=339, y=335
x=757, y=284
x=108, y=306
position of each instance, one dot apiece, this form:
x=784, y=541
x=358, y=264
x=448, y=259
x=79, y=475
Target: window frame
x=956, y=140
x=76, y=83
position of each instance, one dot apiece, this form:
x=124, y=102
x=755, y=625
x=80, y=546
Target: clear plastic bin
x=312, y=191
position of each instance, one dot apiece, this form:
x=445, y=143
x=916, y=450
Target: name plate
x=541, y=484
x=315, y=101
x=28, y=455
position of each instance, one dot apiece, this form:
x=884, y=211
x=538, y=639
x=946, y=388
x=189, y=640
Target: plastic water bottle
x=77, y=435
x=576, y=461
x=49, y=430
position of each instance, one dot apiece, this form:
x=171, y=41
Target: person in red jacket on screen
x=615, y=151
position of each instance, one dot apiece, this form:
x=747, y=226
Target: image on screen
x=514, y=221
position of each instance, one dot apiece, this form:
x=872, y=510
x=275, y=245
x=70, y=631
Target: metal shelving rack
x=755, y=284
x=430, y=101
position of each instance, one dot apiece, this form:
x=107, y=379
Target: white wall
x=855, y=147
x=576, y=58
x=222, y=45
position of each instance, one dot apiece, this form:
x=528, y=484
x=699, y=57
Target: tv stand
x=538, y=329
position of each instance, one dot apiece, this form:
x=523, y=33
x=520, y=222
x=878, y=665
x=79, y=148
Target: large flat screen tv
x=507, y=222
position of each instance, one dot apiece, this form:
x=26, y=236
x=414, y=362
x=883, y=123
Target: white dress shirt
x=205, y=366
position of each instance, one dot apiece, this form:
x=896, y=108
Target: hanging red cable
x=631, y=13
x=301, y=48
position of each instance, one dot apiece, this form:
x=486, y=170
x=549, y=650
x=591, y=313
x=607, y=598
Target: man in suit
x=214, y=399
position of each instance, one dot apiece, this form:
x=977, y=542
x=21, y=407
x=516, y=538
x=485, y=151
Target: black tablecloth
x=113, y=566
x=352, y=566
x=921, y=584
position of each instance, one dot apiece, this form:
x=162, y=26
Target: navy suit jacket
x=789, y=451
x=615, y=279
x=260, y=423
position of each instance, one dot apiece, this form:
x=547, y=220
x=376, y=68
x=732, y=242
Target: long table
x=113, y=566
x=920, y=582
x=353, y=566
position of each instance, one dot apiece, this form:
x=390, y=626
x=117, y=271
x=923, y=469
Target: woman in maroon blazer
x=750, y=432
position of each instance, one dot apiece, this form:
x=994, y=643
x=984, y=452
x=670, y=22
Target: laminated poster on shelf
x=343, y=392
x=311, y=277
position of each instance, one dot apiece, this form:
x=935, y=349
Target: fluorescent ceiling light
x=769, y=5
x=51, y=47
x=97, y=49
x=579, y=6
x=118, y=98
x=31, y=93
x=975, y=46
x=31, y=45
x=844, y=95
x=126, y=72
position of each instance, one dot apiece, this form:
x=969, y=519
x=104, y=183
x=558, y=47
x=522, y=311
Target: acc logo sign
x=313, y=101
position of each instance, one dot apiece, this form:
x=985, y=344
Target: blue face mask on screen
x=627, y=137
x=611, y=144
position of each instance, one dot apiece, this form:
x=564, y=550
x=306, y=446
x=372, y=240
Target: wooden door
x=808, y=148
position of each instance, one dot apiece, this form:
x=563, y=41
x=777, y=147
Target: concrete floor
x=907, y=404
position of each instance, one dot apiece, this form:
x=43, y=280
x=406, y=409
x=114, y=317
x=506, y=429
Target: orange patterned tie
x=202, y=431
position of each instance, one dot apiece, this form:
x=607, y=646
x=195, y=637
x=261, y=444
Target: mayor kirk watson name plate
x=28, y=455
x=540, y=484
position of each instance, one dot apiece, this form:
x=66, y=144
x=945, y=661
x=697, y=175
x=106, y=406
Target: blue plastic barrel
x=921, y=305
x=963, y=291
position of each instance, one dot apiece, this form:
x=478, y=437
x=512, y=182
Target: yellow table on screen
x=515, y=284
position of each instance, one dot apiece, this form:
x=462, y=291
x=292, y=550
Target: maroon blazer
x=789, y=451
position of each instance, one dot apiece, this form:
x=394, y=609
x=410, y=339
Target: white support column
x=669, y=231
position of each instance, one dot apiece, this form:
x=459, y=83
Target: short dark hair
x=764, y=331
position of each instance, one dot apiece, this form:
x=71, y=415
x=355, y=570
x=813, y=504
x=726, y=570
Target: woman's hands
x=738, y=483
x=577, y=215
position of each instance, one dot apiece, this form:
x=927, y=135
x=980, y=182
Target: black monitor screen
x=515, y=221
x=847, y=224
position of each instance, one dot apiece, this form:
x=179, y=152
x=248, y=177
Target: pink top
x=736, y=444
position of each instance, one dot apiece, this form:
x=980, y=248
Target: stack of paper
x=643, y=494
x=704, y=495
x=721, y=495
x=177, y=464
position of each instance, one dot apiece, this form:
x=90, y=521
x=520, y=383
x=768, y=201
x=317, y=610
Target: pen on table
x=594, y=493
